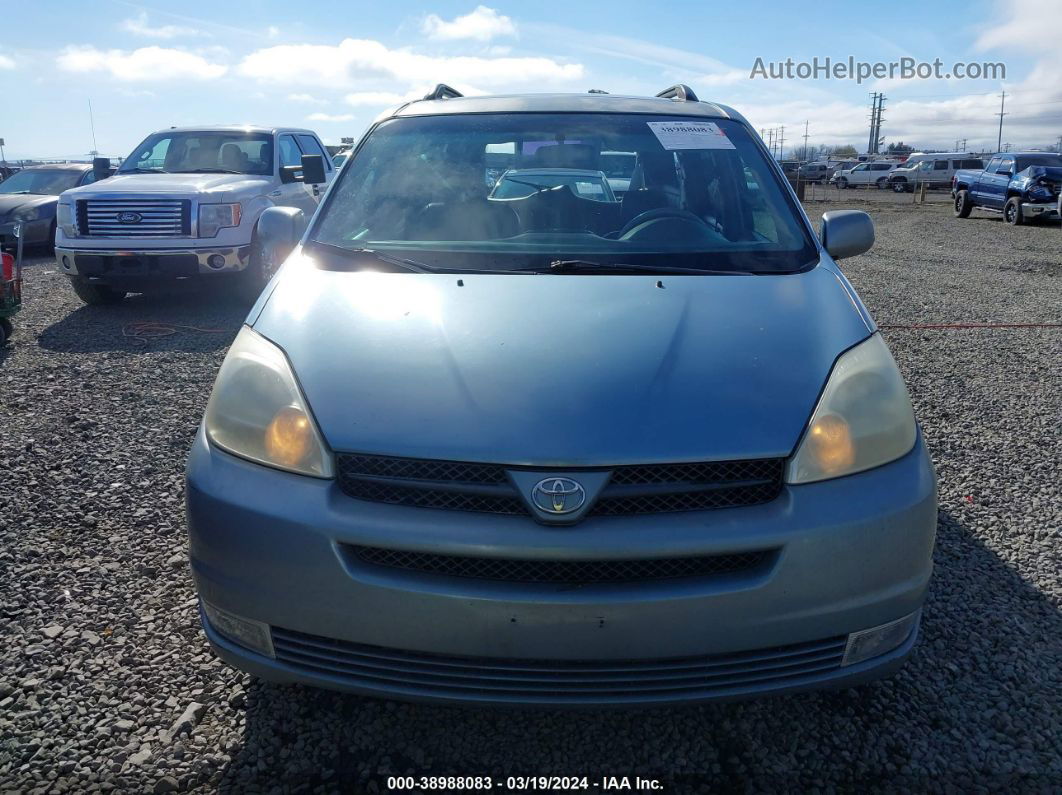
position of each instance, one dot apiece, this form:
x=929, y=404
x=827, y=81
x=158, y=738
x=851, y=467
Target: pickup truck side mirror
x=101, y=168
x=279, y=230
x=1004, y=174
x=312, y=171
x=846, y=233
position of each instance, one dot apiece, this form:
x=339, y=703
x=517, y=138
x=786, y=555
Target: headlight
x=213, y=217
x=64, y=218
x=256, y=410
x=863, y=419
x=28, y=214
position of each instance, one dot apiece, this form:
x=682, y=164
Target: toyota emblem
x=558, y=495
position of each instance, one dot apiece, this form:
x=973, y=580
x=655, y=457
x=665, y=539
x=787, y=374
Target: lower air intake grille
x=557, y=681
x=574, y=572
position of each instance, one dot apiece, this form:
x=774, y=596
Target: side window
x=993, y=164
x=290, y=155
x=89, y=178
x=880, y=167
x=309, y=146
x=940, y=165
x=860, y=167
x=1005, y=165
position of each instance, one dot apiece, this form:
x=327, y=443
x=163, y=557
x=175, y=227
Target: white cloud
x=309, y=99
x=139, y=26
x=273, y=31
x=354, y=59
x=6, y=63
x=146, y=63
x=330, y=117
x=483, y=24
x=380, y=98
x=1022, y=25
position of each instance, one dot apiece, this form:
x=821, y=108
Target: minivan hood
x=561, y=370
x=172, y=184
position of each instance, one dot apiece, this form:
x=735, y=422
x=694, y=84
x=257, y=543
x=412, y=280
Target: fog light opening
x=216, y=261
x=873, y=642
x=253, y=635
x=66, y=262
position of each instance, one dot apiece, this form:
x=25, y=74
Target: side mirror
x=279, y=230
x=101, y=167
x=1005, y=173
x=846, y=233
x=313, y=169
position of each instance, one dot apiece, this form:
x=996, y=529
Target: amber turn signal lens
x=289, y=436
x=831, y=443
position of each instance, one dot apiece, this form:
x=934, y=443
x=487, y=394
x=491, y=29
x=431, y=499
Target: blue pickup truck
x=1023, y=186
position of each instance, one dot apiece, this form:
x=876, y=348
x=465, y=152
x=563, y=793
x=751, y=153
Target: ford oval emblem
x=130, y=218
x=558, y=495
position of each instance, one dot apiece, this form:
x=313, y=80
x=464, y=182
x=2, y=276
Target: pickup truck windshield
x=517, y=190
x=202, y=152
x=43, y=181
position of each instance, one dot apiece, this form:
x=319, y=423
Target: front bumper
x=33, y=232
x=852, y=553
x=1038, y=209
x=135, y=266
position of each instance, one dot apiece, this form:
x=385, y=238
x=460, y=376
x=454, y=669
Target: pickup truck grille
x=134, y=217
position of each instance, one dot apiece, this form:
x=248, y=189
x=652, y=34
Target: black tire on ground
x=842, y=183
x=1012, y=213
x=882, y=183
x=96, y=294
x=962, y=204
x=253, y=279
x=5, y=331
x=900, y=186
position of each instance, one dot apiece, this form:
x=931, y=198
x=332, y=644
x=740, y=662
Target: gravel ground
x=107, y=683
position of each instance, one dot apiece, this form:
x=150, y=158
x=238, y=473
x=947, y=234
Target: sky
x=334, y=67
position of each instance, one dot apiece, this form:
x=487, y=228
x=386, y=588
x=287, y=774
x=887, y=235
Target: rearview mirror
x=846, y=233
x=101, y=168
x=280, y=229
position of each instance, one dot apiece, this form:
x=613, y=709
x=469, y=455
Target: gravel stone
x=97, y=604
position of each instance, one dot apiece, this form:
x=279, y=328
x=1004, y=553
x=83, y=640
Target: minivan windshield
x=231, y=152
x=442, y=190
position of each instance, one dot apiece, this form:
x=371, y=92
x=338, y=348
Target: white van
x=935, y=169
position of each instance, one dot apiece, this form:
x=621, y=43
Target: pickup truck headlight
x=864, y=417
x=256, y=410
x=213, y=217
x=64, y=219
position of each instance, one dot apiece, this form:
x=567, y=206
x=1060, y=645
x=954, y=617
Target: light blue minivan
x=559, y=450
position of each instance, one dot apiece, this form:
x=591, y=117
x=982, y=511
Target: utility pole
x=92, y=126
x=805, y=140
x=877, y=104
x=781, y=143
x=1001, y=114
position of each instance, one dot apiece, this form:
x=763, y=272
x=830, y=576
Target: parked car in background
x=553, y=450
x=30, y=197
x=184, y=205
x=339, y=158
x=935, y=171
x=6, y=171
x=839, y=166
x=814, y=172
x=1023, y=186
x=876, y=174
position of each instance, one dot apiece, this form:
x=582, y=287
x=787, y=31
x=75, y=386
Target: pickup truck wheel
x=1012, y=213
x=96, y=294
x=962, y=204
x=842, y=183
x=259, y=270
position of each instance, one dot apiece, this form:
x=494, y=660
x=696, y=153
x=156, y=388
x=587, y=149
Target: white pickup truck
x=185, y=205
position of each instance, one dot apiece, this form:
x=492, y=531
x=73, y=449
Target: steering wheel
x=654, y=214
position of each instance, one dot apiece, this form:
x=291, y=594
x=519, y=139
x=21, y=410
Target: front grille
x=573, y=572
x=157, y=217
x=631, y=490
x=557, y=681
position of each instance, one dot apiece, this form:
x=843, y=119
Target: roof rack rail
x=596, y=91
x=443, y=91
x=680, y=93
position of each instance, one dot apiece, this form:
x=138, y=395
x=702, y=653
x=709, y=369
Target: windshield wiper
x=401, y=262
x=577, y=265
x=206, y=171
x=143, y=171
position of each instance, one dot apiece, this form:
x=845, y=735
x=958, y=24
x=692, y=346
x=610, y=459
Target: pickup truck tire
x=1012, y=213
x=842, y=183
x=96, y=294
x=963, y=206
x=258, y=272
x=900, y=186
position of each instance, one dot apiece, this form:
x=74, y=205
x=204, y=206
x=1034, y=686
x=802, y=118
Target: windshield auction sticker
x=689, y=135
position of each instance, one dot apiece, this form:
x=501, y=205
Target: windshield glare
x=519, y=190
x=193, y=152
x=46, y=182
